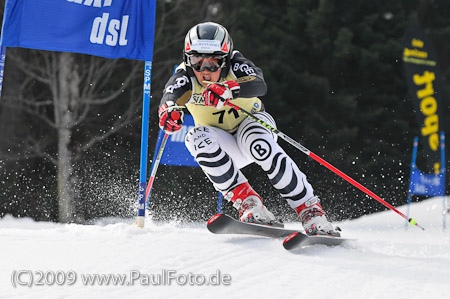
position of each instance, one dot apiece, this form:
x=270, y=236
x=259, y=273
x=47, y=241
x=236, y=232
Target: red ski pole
x=155, y=168
x=412, y=221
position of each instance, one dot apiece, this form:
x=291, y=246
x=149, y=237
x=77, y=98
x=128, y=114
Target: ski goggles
x=210, y=63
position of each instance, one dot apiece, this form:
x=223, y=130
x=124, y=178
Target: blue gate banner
x=107, y=28
x=175, y=152
x=427, y=184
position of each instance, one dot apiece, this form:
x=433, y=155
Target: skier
x=224, y=140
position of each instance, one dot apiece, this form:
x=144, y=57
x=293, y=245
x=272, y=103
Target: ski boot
x=250, y=206
x=313, y=219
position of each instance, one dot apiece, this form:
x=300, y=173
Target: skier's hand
x=219, y=94
x=170, y=117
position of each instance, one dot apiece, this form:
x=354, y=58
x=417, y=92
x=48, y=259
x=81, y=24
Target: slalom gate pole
x=444, y=199
x=413, y=168
x=144, y=191
x=2, y=66
x=144, y=144
x=412, y=221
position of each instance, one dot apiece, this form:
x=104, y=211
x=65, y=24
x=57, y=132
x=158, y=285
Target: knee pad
x=201, y=139
x=258, y=142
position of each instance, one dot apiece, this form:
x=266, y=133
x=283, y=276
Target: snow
x=386, y=261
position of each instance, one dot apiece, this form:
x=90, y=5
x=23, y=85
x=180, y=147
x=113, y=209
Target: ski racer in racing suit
x=224, y=140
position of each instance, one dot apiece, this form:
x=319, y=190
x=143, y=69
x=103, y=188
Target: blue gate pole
x=219, y=203
x=413, y=167
x=161, y=137
x=2, y=67
x=444, y=201
x=144, y=144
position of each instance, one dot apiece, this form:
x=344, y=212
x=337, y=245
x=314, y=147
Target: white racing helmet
x=208, y=40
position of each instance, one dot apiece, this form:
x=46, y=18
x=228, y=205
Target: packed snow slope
x=386, y=261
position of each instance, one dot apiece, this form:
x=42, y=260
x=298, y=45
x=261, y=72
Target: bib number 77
x=222, y=114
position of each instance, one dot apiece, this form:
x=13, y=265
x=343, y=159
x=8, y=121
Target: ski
x=224, y=224
x=298, y=240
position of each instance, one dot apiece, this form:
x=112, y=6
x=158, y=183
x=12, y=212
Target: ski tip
x=290, y=237
x=214, y=218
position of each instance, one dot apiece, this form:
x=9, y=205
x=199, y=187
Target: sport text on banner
x=107, y=28
x=423, y=78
